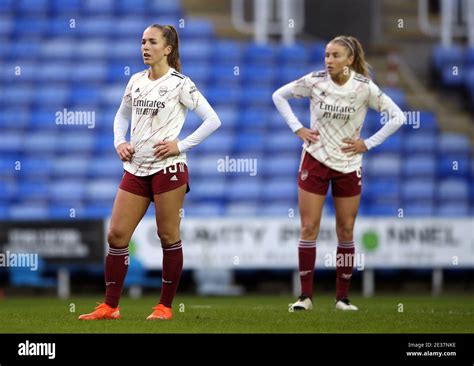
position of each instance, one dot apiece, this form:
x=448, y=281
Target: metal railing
x=457, y=20
x=270, y=17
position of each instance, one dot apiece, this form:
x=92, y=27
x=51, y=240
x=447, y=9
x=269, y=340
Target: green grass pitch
x=246, y=314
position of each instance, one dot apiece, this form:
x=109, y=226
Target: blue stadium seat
x=282, y=189
x=420, y=142
x=206, y=165
x=9, y=190
x=281, y=165
x=80, y=142
x=419, y=209
x=250, y=142
x=34, y=167
x=229, y=116
x=453, y=143
x=172, y=9
x=30, y=26
x=458, y=209
x=443, y=55
x=220, y=142
x=388, y=165
x=223, y=96
x=281, y=142
x=428, y=121
x=70, y=6
x=242, y=209
x=383, y=210
x=453, y=189
x=317, y=52
x=198, y=72
x=67, y=190
x=256, y=96
x=227, y=51
x=381, y=189
x=419, y=166
x=418, y=189
x=55, y=71
x=397, y=95
x=128, y=7
x=258, y=75
x=294, y=54
x=101, y=190
x=30, y=211
x=90, y=72
x=98, y=211
x=98, y=6
x=454, y=165
x=252, y=119
x=32, y=7
x=70, y=166
x=85, y=95
x=257, y=54
x=192, y=52
x=12, y=142
x=52, y=96
x=107, y=166
x=40, y=142
x=279, y=209
x=244, y=190
x=203, y=189
x=391, y=145
x=469, y=56
x=112, y=95
x=23, y=276
x=453, y=75
x=6, y=5
x=197, y=28
x=23, y=70
x=17, y=95
x=226, y=75
x=63, y=211
x=30, y=190
x=14, y=119
x=207, y=209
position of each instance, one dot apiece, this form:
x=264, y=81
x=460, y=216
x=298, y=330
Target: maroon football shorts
x=163, y=181
x=314, y=177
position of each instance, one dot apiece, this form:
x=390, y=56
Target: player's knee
x=117, y=238
x=168, y=237
x=309, y=231
x=345, y=231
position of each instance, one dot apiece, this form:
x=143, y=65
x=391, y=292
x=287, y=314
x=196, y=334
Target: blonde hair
x=172, y=39
x=354, y=47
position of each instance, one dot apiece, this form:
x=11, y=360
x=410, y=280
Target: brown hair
x=171, y=36
x=359, y=65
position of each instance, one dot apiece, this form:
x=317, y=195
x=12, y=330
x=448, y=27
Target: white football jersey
x=338, y=112
x=159, y=108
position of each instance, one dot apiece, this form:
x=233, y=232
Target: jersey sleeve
x=302, y=87
x=382, y=103
x=127, y=96
x=190, y=96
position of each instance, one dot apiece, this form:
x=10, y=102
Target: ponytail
x=359, y=65
x=172, y=39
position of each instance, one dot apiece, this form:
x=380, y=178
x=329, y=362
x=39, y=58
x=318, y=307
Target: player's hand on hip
x=307, y=135
x=354, y=146
x=165, y=149
x=125, y=151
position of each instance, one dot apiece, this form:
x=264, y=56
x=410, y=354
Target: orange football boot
x=102, y=311
x=161, y=312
